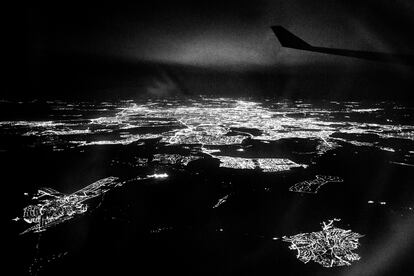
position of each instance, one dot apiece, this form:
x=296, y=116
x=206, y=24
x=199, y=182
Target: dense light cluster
x=174, y=159
x=209, y=121
x=53, y=207
x=313, y=186
x=330, y=247
x=264, y=164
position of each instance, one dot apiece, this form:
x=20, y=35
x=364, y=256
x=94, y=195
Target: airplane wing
x=289, y=40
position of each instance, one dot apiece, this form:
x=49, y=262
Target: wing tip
x=289, y=40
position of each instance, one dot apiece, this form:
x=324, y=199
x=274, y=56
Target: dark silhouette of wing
x=289, y=40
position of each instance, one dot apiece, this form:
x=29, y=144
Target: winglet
x=287, y=39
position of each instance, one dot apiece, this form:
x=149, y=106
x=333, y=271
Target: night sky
x=218, y=47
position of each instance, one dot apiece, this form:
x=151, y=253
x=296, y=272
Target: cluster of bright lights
x=313, y=186
x=174, y=159
x=330, y=247
x=208, y=121
x=221, y=201
x=158, y=175
x=53, y=207
x=264, y=164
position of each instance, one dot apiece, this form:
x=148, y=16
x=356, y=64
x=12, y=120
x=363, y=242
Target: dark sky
x=229, y=35
x=219, y=33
